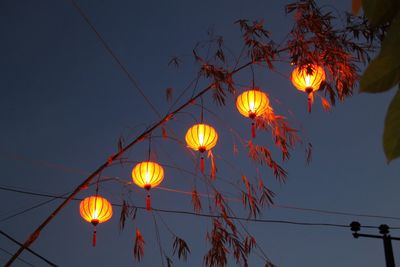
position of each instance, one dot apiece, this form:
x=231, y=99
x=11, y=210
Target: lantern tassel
x=202, y=164
x=253, y=130
x=310, y=101
x=148, y=202
x=94, y=237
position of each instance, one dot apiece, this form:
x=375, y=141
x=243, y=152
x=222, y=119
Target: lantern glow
x=201, y=137
x=95, y=209
x=252, y=103
x=308, y=79
x=147, y=174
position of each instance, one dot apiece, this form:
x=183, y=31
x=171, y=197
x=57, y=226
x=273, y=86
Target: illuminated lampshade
x=201, y=137
x=147, y=174
x=95, y=209
x=308, y=79
x=251, y=104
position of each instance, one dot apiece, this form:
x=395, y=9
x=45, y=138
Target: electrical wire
x=78, y=171
x=40, y=204
x=21, y=260
x=113, y=55
x=290, y=222
x=28, y=249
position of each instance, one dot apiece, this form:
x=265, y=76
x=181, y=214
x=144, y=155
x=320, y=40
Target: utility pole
x=387, y=240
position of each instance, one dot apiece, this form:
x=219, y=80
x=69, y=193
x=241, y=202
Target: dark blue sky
x=65, y=102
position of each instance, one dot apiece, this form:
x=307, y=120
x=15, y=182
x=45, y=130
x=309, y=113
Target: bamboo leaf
x=213, y=172
x=124, y=214
x=196, y=201
x=121, y=143
x=180, y=246
x=175, y=61
x=164, y=133
x=138, y=250
x=391, y=133
x=168, y=94
x=267, y=197
x=169, y=261
x=309, y=153
x=325, y=104
x=269, y=264
x=235, y=149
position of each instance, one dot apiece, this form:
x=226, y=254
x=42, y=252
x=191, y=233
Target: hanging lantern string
x=149, y=148
x=202, y=110
x=252, y=76
x=226, y=125
x=253, y=125
x=310, y=100
x=98, y=184
x=158, y=237
x=95, y=221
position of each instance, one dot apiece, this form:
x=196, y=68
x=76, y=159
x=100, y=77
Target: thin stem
x=149, y=148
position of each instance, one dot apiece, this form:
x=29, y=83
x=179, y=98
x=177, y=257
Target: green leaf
x=384, y=71
x=381, y=75
x=380, y=11
x=391, y=133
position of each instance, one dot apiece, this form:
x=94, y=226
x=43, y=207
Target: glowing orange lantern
x=308, y=79
x=147, y=175
x=201, y=137
x=95, y=209
x=251, y=104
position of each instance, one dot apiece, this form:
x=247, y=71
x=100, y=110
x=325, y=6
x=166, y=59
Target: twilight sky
x=65, y=103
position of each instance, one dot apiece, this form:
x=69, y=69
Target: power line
x=31, y=208
x=184, y=192
x=281, y=206
x=114, y=56
x=331, y=212
x=22, y=260
x=28, y=249
x=300, y=223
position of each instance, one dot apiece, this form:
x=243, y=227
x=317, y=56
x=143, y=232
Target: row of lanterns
x=201, y=137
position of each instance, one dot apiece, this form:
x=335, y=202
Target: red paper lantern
x=201, y=137
x=251, y=104
x=95, y=209
x=147, y=174
x=308, y=79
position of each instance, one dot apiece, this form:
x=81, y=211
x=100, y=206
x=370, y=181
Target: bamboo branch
x=109, y=161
